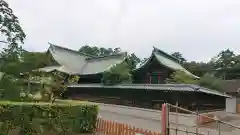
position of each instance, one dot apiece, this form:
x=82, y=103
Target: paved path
x=151, y=119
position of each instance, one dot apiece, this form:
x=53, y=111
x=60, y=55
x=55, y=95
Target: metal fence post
x=197, y=123
x=168, y=119
x=176, y=117
x=186, y=131
x=218, y=126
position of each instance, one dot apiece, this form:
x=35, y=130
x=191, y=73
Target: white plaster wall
x=231, y=105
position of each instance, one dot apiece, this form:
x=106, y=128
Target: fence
x=174, y=123
x=107, y=127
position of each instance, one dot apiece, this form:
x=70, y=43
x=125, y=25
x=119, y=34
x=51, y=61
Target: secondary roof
x=73, y=62
x=166, y=60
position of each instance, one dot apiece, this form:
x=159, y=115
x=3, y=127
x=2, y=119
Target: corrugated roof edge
x=174, y=87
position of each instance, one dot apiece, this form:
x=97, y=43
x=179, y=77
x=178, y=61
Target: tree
x=181, y=77
x=35, y=60
x=179, y=56
x=211, y=82
x=13, y=35
x=198, y=68
x=207, y=81
x=132, y=59
x=119, y=73
x=11, y=29
x=28, y=61
x=225, y=59
x=96, y=51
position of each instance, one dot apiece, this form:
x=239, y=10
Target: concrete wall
x=231, y=104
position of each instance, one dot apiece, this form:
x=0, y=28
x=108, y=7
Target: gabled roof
x=73, y=62
x=166, y=60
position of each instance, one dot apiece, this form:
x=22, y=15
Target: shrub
x=10, y=90
x=40, y=118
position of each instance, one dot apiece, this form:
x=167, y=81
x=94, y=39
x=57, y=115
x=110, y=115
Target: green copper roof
x=73, y=62
x=167, y=61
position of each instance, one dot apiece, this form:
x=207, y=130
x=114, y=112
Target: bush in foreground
x=42, y=118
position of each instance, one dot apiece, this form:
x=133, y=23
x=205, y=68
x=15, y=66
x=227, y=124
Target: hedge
x=41, y=118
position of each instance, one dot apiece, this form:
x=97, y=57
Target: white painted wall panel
x=231, y=105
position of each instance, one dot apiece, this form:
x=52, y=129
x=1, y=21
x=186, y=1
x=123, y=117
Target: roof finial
x=154, y=49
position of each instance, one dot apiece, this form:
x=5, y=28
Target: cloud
x=198, y=29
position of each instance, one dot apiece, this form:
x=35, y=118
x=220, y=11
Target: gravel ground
x=151, y=120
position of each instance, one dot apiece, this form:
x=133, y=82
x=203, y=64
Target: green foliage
x=98, y=51
x=51, y=86
x=9, y=89
x=179, y=56
x=208, y=80
x=12, y=68
x=35, y=60
x=211, y=82
x=120, y=73
x=42, y=118
x=132, y=59
x=27, y=62
x=9, y=23
x=181, y=77
x=226, y=59
x=11, y=33
x=198, y=68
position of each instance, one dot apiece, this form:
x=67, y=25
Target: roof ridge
x=71, y=50
x=155, y=49
x=104, y=56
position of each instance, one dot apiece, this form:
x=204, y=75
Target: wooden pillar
x=159, y=78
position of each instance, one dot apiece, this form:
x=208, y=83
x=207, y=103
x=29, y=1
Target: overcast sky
x=199, y=29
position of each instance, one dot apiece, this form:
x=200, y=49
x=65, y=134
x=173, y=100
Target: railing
x=200, y=124
x=106, y=127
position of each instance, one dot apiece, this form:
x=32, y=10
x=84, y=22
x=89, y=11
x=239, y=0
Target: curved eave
x=183, y=69
x=124, y=58
x=143, y=64
x=166, y=66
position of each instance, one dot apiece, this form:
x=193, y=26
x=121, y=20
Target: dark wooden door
x=154, y=79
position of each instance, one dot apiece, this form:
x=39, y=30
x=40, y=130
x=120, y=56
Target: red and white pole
x=164, y=119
